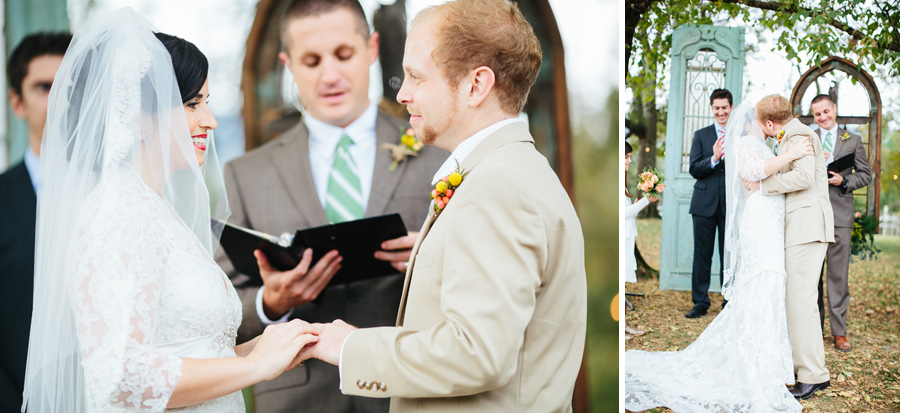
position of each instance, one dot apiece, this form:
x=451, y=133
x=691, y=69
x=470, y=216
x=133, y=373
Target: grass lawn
x=867, y=379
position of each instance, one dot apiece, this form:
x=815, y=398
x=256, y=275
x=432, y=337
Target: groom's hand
x=398, y=250
x=331, y=339
x=300, y=285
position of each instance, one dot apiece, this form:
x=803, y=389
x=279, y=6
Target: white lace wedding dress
x=742, y=361
x=146, y=294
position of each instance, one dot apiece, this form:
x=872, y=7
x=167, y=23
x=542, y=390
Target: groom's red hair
x=774, y=108
x=492, y=33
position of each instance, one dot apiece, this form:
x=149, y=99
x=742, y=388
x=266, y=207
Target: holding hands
x=278, y=348
x=328, y=347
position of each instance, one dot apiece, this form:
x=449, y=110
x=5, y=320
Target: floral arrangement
x=408, y=146
x=651, y=182
x=845, y=136
x=780, y=136
x=445, y=188
x=862, y=237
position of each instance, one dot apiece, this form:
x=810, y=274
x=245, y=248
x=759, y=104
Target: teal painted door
x=704, y=58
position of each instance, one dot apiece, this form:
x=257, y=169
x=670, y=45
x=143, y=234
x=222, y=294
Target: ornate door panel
x=704, y=58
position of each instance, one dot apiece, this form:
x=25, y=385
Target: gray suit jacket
x=857, y=177
x=271, y=189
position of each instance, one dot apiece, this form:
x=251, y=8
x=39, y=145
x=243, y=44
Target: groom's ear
x=481, y=83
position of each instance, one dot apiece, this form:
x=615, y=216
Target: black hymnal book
x=842, y=163
x=356, y=241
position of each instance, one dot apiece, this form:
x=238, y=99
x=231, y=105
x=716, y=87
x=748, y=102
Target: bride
x=742, y=361
x=130, y=310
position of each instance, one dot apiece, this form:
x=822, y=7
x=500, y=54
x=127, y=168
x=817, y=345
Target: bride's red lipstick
x=199, y=141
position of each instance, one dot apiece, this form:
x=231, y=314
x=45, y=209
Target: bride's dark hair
x=190, y=64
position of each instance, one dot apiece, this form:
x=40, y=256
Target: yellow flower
x=455, y=179
x=408, y=140
x=441, y=187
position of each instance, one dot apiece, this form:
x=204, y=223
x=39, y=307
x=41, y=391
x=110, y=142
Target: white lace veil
x=742, y=124
x=114, y=111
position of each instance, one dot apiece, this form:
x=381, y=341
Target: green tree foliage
x=866, y=32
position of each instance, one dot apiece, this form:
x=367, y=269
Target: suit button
x=361, y=383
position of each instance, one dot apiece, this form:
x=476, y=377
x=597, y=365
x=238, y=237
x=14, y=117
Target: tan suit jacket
x=494, y=307
x=271, y=189
x=808, y=216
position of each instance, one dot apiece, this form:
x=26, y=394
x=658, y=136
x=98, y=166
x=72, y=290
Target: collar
x=467, y=146
x=326, y=135
x=834, y=131
x=33, y=165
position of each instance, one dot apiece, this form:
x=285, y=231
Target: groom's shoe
x=804, y=391
x=842, y=343
x=696, y=312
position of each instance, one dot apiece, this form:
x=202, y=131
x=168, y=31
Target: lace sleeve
x=752, y=164
x=116, y=295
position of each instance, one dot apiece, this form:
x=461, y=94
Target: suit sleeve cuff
x=262, y=314
x=341, y=364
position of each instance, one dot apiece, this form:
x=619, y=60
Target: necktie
x=344, y=198
x=828, y=145
x=722, y=135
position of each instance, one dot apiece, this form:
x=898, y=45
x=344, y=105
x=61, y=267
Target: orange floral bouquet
x=651, y=182
x=444, y=189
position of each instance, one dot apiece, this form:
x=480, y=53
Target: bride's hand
x=801, y=149
x=278, y=346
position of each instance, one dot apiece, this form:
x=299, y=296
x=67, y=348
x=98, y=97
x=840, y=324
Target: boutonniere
x=408, y=146
x=780, y=136
x=845, y=136
x=445, y=188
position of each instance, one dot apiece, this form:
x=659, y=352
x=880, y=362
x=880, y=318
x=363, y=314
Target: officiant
x=330, y=167
x=838, y=142
x=30, y=71
x=707, y=166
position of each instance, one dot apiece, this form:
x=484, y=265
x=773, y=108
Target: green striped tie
x=344, y=199
x=828, y=144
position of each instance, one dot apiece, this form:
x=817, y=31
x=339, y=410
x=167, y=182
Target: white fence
x=889, y=224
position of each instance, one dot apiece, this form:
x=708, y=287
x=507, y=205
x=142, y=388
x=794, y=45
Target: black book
x=356, y=241
x=842, y=163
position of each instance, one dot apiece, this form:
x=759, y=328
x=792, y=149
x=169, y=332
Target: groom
x=493, y=311
x=808, y=229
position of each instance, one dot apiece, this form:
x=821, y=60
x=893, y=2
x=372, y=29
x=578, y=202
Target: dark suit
x=838, y=257
x=18, y=206
x=271, y=189
x=708, y=210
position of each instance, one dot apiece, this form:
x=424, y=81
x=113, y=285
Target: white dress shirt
x=824, y=133
x=33, y=166
x=323, y=141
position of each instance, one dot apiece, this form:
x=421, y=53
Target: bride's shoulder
x=112, y=207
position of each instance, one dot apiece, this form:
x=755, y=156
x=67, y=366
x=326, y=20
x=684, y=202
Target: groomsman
x=838, y=142
x=30, y=72
x=291, y=183
x=707, y=166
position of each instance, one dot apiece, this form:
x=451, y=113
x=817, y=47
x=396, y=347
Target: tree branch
x=779, y=7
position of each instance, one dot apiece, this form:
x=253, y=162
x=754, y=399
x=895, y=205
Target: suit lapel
x=838, y=143
x=429, y=221
x=23, y=211
x=384, y=182
x=292, y=163
x=515, y=132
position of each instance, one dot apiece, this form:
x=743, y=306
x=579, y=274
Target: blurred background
x=573, y=110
